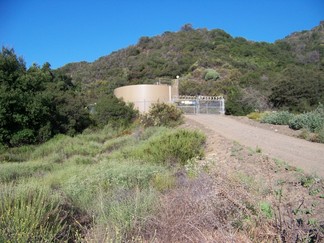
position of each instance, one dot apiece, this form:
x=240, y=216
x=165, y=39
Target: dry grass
x=239, y=195
x=196, y=211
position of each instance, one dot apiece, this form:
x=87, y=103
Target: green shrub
x=235, y=104
x=110, y=109
x=309, y=121
x=162, y=114
x=266, y=209
x=25, y=136
x=277, y=118
x=37, y=103
x=320, y=135
x=211, y=74
x=171, y=148
x=297, y=122
x=312, y=121
x=256, y=115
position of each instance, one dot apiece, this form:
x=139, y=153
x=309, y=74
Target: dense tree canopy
x=36, y=103
x=299, y=88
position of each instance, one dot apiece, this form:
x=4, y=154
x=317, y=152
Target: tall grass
x=19, y=154
x=14, y=171
x=30, y=217
x=112, y=178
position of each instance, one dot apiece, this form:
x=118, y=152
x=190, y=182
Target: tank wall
x=175, y=89
x=144, y=95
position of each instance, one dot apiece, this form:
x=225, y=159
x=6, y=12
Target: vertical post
x=222, y=110
x=197, y=105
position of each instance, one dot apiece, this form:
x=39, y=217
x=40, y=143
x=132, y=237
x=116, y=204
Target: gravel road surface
x=296, y=152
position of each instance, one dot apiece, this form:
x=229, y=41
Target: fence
x=190, y=104
x=201, y=104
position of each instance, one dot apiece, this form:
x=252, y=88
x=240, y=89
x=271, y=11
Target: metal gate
x=201, y=104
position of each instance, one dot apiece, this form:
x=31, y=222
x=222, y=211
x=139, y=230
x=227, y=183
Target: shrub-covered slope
x=252, y=75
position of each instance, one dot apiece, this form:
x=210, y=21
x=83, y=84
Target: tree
x=294, y=92
x=36, y=104
x=187, y=27
x=110, y=109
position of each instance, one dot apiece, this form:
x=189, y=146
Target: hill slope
x=252, y=75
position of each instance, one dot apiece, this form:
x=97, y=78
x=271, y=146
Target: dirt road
x=296, y=152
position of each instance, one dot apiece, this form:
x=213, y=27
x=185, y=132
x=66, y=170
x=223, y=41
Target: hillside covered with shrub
x=112, y=175
x=287, y=74
x=37, y=103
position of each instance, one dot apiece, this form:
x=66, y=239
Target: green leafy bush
x=277, y=118
x=25, y=136
x=110, y=109
x=235, y=104
x=162, y=114
x=211, y=74
x=312, y=121
x=171, y=148
x=320, y=135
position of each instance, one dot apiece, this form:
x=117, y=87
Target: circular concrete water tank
x=144, y=95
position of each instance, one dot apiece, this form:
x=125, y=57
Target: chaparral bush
x=162, y=114
x=277, y=118
x=175, y=147
x=312, y=121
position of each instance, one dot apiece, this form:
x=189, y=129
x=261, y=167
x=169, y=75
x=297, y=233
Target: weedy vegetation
x=103, y=183
x=137, y=184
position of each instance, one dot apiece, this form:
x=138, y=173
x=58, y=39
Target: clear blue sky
x=63, y=31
